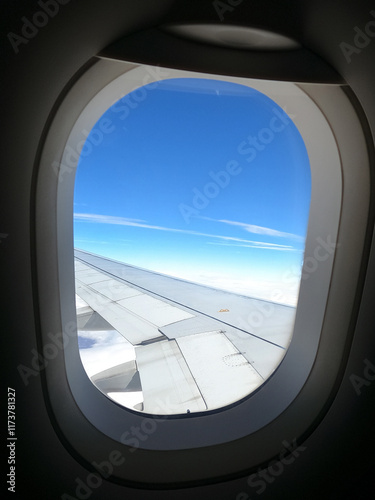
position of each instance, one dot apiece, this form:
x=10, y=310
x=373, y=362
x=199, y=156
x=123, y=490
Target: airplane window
x=213, y=246
x=191, y=207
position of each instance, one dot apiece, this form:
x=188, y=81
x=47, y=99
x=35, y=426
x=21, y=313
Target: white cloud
x=101, y=242
x=103, y=337
x=274, y=289
x=252, y=228
x=123, y=221
x=259, y=245
x=110, y=349
x=108, y=219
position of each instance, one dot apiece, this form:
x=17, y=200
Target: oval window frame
x=279, y=406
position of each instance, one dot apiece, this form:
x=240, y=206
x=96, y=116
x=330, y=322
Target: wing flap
x=167, y=383
x=221, y=372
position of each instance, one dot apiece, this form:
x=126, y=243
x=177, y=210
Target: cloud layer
x=124, y=221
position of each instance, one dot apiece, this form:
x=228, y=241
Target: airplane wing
x=163, y=345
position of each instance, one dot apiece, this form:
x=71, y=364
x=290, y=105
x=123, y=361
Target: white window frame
x=291, y=400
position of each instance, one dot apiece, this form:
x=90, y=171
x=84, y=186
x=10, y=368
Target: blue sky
x=202, y=179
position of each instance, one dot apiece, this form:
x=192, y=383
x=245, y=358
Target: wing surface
x=163, y=345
